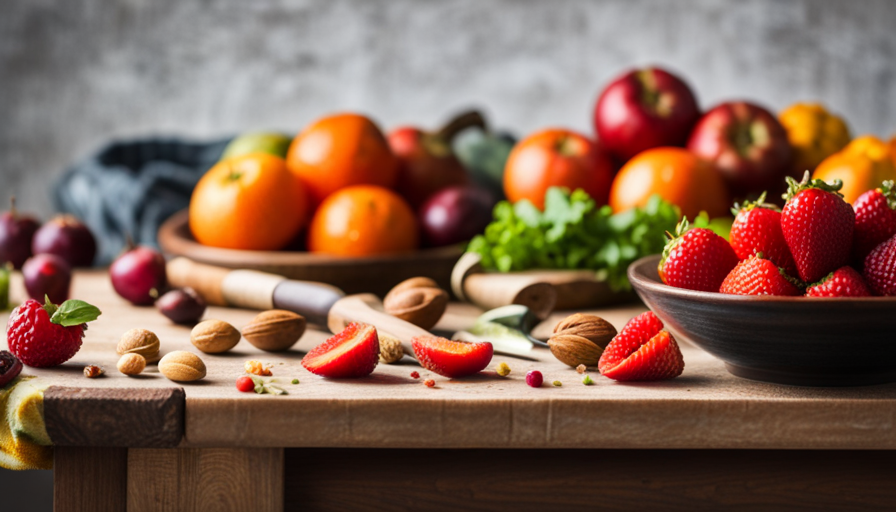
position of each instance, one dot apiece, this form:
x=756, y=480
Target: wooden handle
x=205, y=279
x=493, y=290
x=311, y=300
x=364, y=308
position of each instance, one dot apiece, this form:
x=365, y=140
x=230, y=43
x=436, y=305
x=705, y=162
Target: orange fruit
x=248, y=202
x=339, y=151
x=862, y=165
x=676, y=175
x=557, y=158
x=363, y=220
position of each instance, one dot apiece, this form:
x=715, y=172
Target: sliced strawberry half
x=635, y=333
x=452, y=358
x=658, y=359
x=352, y=353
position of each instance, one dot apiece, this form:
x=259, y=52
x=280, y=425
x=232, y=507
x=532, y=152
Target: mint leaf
x=74, y=312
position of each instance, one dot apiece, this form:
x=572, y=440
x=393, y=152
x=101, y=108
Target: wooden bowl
x=375, y=274
x=788, y=340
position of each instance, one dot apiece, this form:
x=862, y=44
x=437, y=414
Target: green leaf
x=74, y=312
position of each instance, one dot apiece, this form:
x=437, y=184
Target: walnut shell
x=417, y=300
x=391, y=350
x=275, y=330
x=139, y=341
x=214, y=336
x=182, y=366
x=131, y=364
x=580, y=339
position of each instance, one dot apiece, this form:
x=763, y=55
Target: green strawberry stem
x=888, y=189
x=71, y=312
x=758, y=203
x=794, y=187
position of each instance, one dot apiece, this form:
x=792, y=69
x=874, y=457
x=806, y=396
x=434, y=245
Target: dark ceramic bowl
x=788, y=340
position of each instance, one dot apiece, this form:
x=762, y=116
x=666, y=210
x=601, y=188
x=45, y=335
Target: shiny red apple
x=139, y=275
x=426, y=164
x=644, y=109
x=16, y=234
x=747, y=144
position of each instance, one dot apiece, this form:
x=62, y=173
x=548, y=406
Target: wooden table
x=704, y=441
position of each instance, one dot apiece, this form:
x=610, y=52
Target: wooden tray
x=375, y=274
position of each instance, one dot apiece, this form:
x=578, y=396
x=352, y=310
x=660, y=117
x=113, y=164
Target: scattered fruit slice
x=879, y=267
x=757, y=228
x=875, y=220
x=48, y=335
x=658, y=359
x=696, y=259
x=10, y=367
x=635, y=333
x=843, y=282
x=452, y=358
x=759, y=276
x=352, y=353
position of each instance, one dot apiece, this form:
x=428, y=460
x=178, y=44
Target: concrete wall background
x=75, y=73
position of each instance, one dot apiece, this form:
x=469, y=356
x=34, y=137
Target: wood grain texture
x=607, y=480
x=209, y=479
x=123, y=417
x=93, y=479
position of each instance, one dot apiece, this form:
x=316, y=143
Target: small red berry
x=429, y=383
x=415, y=375
x=245, y=384
x=534, y=378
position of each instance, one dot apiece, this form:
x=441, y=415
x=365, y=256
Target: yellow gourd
x=814, y=133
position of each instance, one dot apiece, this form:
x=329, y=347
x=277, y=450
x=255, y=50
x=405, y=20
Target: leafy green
x=574, y=233
x=71, y=312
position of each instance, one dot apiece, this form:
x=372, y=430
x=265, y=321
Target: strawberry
x=817, y=225
x=352, y=353
x=658, y=359
x=759, y=276
x=843, y=282
x=757, y=228
x=696, y=259
x=44, y=335
x=635, y=333
x=451, y=358
x=875, y=220
x=880, y=268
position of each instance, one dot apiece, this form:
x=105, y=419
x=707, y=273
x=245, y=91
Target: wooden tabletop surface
x=704, y=408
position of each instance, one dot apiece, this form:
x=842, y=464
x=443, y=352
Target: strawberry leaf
x=73, y=312
x=795, y=187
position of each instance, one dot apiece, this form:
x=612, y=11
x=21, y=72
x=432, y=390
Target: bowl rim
x=640, y=279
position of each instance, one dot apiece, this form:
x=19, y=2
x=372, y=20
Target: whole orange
x=248, y=202
x=339, y=151
x=862, y=165
x=557, y=158
x=363, y=220
x=676, y=175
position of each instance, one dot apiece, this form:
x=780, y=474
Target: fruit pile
x=342, y=187
x=818, y=246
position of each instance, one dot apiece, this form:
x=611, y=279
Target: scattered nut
x=92, y=371
x=417, y=300
x=182, y=366
x=214, y=336
x=557, y=383
x=503, y=369
x=390, y=348
x=275, y=330
x=131, y=364
x=581, y=368
x=139, y=341
x=257, y=368
x=580, y=339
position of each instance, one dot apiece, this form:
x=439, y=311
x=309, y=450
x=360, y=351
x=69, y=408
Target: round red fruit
x=139, y=275
x=47, y=275
x=66, y=237
x=534, y=378
x=245, y=384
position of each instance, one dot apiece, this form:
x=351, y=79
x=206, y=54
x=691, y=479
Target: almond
x=418, y=300
x=214, y=336
x=580, y=339
x=139, y=341
x=182, y=366
x=131, y=364
x=275, y=330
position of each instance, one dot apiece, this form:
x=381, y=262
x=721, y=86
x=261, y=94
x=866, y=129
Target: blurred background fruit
x=363, y=220
x=67, y=237
x=276, y=144
x=557, y=158
x=455, y=215
x=248, y=202
x=484, y=154
x=139, y=275
x=748, y=146
x=676, y=175
x=16, y=234
x=862, y=165
x=643, y=109
x=814, y=134
x=47, y=275
x=339, y=151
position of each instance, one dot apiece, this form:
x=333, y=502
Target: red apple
x=47, y=275
x=139, y=275
x=644, y=109
x=426, y=164
x=16, y=233
x=747, y=144
x=66, y=237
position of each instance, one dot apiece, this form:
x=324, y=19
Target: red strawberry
x=875, y=220
x=451, y=358
x=696, y=259
x=48, y=335
x=759, y=276
x=843, y=282
x=880, y=268
x=817, y=225
x=757, y=228
x=635, y=333
x=658, y=359
x=352, y=353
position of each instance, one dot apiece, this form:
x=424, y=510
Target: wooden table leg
x=92, y=479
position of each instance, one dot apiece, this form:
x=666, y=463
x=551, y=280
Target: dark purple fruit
x=10, y=367
x=139, y=275
x=182, y=306
x=455, y=215
x=47, y=275
x=66, y=237
x=16, y=234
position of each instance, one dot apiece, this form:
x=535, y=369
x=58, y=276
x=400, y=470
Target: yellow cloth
x=24, y=443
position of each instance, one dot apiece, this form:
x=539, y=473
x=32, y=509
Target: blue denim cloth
x=131, y=187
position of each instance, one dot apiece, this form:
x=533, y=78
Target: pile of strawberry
x=818, y=246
